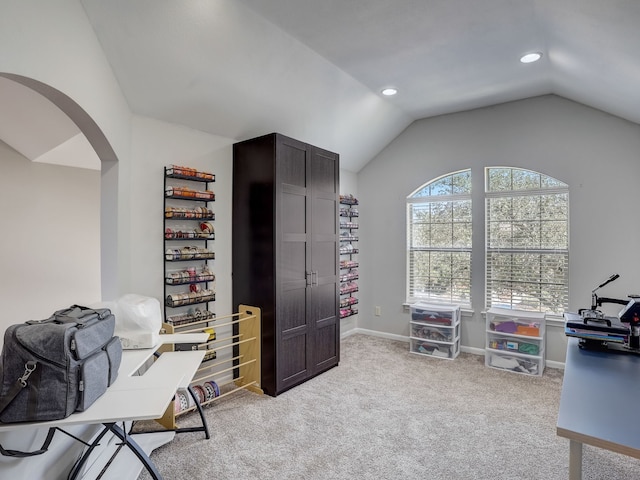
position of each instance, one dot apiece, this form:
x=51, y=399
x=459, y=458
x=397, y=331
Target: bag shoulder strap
x=19, y=384
x=13, y=392
x=40, y=451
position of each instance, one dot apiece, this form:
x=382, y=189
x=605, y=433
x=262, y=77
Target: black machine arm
x=613, y=277
x=601, y=300
x=597, y=302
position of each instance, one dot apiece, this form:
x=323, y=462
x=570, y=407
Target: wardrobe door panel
x=293, y=262
x=292, y=162
x=293, y=212
x=326, y=346
x=293, y=367
x=292, y=311
x=324, y=170
x=325, y=261
x=325, y=216
x=324, y=304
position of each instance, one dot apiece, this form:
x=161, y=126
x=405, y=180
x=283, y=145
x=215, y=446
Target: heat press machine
x=598, y=331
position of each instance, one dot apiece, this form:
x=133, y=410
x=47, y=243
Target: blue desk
x=598, y=392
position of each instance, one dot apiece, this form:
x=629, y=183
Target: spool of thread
x=216, y=389
x=211, y=332
x=209, y=391
x=182, y=402
x=200, y=393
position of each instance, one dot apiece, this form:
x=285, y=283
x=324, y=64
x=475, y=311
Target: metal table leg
x=575, y=460
x=127, y=441
x=135, y=448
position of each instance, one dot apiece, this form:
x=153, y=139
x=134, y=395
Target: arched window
x=526, y=248
x=527, y=240
x=439, y=240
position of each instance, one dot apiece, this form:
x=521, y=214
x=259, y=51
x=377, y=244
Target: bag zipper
x=101, y=316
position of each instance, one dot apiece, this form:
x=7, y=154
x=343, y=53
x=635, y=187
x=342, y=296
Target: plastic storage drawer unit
x=515, y=341
x=434, y=330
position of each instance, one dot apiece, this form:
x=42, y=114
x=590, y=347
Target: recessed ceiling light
x=531, y=57
x=389, y=91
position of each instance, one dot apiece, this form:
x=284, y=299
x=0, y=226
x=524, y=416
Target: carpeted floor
x=384, y=413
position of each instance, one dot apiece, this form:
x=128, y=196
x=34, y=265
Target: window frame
x=413, y=200
x=547, y=257
x=553, y=251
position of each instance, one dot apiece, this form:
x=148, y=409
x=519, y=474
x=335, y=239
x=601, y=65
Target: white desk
x=598, y=391
x=136, y=397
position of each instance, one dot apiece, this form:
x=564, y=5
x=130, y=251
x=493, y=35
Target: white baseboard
x=554, y=364
x=472, y=350
x=374, y=333
x=402, y=338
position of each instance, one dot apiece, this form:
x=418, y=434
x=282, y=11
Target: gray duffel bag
x=54, y=367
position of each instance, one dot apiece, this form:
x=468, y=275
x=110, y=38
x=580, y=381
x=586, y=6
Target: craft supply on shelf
x=347, y=250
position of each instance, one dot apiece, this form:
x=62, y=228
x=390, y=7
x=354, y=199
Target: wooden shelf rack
x=239, y=370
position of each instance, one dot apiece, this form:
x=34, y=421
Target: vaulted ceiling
x=452, y=55
x=313, y=69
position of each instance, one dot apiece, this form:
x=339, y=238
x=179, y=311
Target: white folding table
x=134, y=396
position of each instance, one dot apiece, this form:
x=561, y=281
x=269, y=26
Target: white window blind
x=527, y=241
x=439, y=240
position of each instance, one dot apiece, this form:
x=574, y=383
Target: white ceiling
x=313, y=69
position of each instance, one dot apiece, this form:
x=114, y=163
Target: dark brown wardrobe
x=286, y=254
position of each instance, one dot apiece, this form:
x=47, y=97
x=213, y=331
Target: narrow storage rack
x=348, y=255
x=188, y=235
x=237, y=368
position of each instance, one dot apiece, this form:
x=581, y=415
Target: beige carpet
x=384, y=413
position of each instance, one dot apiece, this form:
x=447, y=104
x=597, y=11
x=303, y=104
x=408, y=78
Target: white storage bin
x=431, y=332
x=514, y=362
x=443, y=315
x=515, y=341
x=435, y=349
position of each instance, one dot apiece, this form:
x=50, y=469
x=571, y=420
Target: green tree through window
x=439, y=240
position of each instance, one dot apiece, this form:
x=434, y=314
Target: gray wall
x=596, y=154
x=50, y=242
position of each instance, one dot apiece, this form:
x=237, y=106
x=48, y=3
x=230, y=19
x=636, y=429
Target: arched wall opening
x=108, y=183
x=30, y=190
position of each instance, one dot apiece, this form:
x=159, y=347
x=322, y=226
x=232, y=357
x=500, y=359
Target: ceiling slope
x=314, y=69
x=218, y=67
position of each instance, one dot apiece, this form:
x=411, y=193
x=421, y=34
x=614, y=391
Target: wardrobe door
x=293, y=226
x=324, y=317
